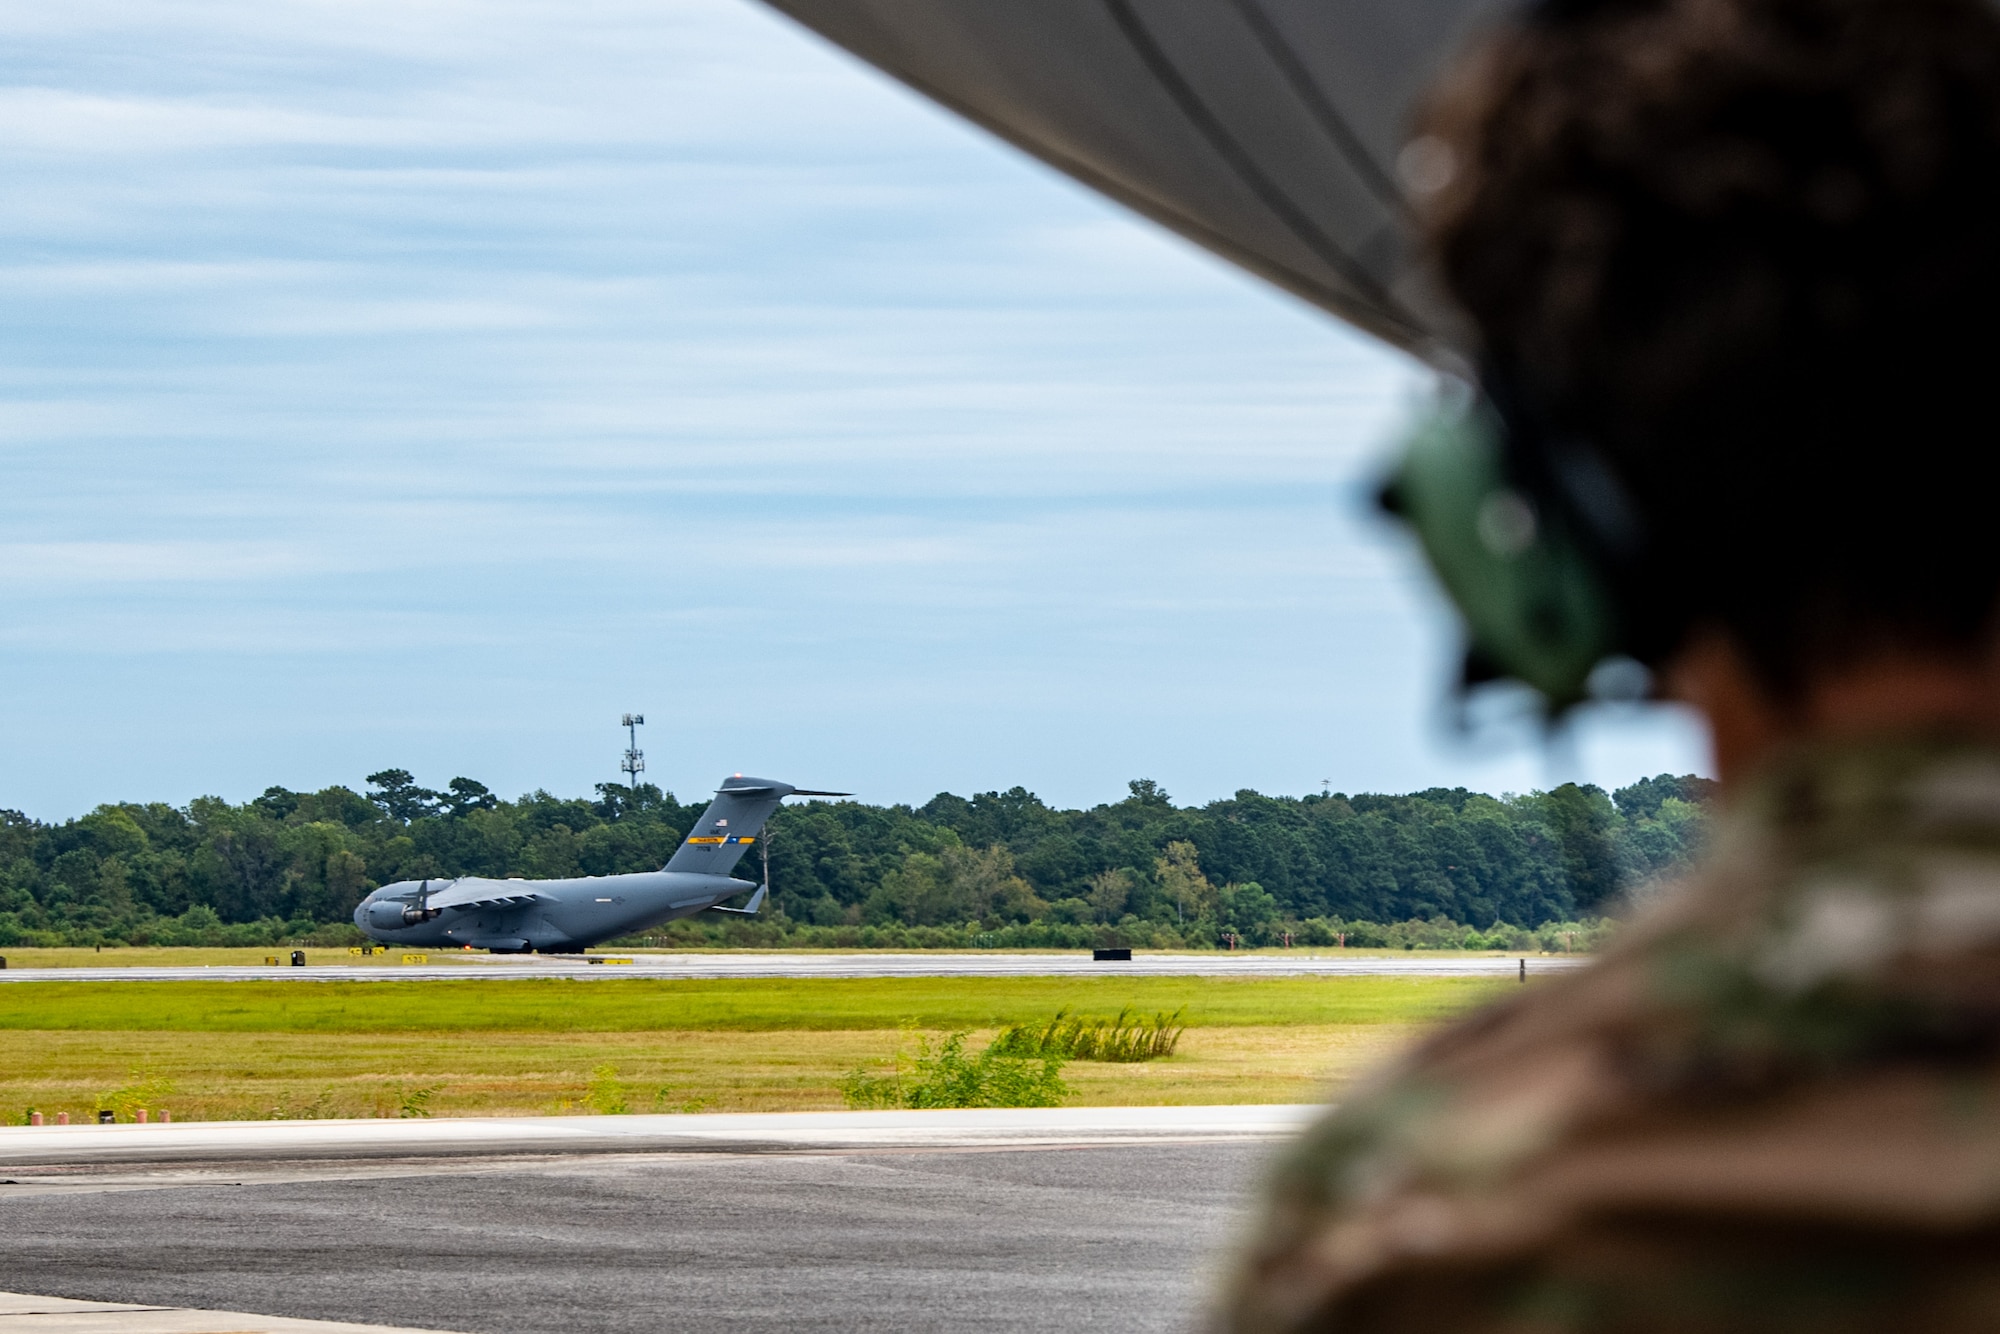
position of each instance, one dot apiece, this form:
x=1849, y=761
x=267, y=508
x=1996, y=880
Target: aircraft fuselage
x=547, y=915
x=556, y=916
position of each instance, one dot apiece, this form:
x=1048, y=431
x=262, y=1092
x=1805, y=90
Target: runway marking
x=711, y=1132
x=27, y=1313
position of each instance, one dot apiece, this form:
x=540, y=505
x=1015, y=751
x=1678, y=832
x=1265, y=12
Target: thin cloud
x=425, y=383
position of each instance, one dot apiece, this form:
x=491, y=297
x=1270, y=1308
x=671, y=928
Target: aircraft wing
x=475, y=893
x=1264, y=130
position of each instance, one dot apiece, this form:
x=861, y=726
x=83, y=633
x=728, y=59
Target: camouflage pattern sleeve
x=1773, y=1105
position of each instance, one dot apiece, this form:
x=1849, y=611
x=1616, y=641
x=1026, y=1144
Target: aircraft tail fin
x=732, y=823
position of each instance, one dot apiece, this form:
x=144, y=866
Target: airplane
x=566, y=916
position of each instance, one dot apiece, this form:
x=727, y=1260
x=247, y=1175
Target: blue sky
x=426, y=384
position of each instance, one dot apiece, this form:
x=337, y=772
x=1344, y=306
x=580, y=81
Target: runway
x=454, y=966
x=998, y=1221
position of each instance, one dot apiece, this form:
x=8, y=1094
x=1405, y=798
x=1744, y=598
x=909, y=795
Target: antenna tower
x=634, y=762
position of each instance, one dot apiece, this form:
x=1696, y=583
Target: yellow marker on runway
x=416, y=958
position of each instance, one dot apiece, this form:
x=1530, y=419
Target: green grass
x=259, y=1076
x=499, y=1048
x=747, y=1005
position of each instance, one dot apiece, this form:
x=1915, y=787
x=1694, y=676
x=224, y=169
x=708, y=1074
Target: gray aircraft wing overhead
x=1265, y=130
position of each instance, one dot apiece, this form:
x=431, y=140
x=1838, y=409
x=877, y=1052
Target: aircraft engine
x=387, y=915
x=391, y=915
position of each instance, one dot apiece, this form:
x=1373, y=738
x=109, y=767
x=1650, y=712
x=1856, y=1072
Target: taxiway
x=458, y=967
x=1072, y=1219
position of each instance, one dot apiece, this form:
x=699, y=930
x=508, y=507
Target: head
x=1748, y=253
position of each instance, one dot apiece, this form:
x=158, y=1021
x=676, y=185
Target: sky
x=426, y=384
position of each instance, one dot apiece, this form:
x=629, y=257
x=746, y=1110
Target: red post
x=34, y=1118
x=140, y=1116
x=166, y=1118
x=62, y=1118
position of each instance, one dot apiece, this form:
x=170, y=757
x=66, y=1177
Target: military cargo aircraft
x=565, y=916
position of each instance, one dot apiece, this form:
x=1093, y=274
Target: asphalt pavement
x=456, y=966
x=1002, y=1237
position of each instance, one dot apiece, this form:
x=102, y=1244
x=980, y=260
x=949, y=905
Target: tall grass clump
x=415, y=1103
x=144, y=1091
x=946, y=1076
x=1072, y=1037
x=606, y=1096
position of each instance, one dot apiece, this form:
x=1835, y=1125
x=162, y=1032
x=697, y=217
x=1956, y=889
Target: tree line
x=1442, y=867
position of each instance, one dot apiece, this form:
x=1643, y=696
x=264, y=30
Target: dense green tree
x=995, y=866
x=397, y=793
x=1643, y=799
x=464, y=795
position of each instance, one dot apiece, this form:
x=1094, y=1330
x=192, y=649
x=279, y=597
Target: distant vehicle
x=565, y=916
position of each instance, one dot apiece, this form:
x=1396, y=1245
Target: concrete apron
x=24, y=1313
x=741, y=1132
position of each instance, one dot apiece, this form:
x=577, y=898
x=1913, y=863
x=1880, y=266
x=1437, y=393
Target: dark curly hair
x=1750, y=250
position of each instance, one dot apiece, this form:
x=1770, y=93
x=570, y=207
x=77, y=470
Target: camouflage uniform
x=1774, y=1104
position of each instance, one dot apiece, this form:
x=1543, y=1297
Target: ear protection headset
x=1531, y=533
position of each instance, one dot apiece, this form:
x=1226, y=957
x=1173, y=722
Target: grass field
x=196, y=956
x=280, y=1049
x=702, y=1004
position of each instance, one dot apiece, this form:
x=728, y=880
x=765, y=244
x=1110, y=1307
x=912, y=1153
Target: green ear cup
x=1535, y=604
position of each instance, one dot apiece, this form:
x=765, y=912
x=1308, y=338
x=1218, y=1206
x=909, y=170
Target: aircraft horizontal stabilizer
x=747, y=910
